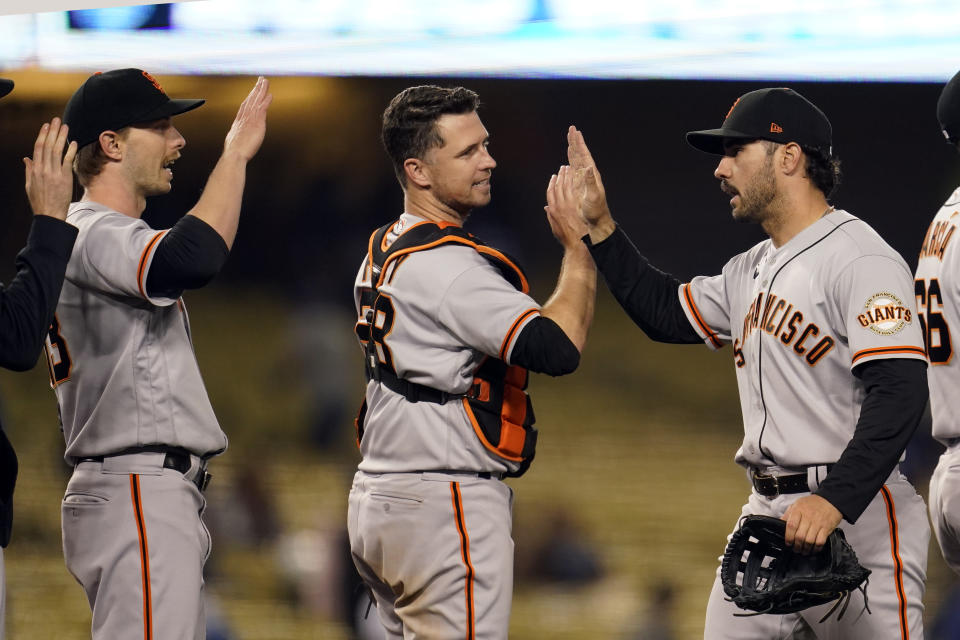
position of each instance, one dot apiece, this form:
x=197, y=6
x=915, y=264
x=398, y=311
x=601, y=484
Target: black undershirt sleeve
x=543, y=347
x=895, y=401
x=188, y=257
x=648, y=295
x=28, y=303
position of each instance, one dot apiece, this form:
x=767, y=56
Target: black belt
x=413, y=391
x=486, y=475
x=176, y=459
x=773, y=486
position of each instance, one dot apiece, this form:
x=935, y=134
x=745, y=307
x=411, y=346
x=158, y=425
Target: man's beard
x=756, y=198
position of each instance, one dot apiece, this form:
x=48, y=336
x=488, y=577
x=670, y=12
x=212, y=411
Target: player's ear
x=417, y=172
x=791, y=159
x=109, y=142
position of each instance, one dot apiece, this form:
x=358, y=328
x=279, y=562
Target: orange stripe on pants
x=144, y=556
x=464, y=554
x=897, y=562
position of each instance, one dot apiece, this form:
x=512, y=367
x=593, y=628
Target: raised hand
x=593, y=197
x=563, y=206
x=49, y=174
x=250, y=126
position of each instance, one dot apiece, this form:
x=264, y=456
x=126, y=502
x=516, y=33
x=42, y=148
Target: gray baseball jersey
x=800, y=318
x=121, y=362
x=450, y=309
x=429, y=524
x=129, y=389
x=938, y=300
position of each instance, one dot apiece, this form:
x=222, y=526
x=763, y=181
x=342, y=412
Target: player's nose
x=723, y=168
x=488, y=162
x=179, y=142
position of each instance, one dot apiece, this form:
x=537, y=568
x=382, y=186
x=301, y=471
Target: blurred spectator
x=565, y=555
x=657, y=622
x=217, y=628
x=946, y=622
x=243, y=511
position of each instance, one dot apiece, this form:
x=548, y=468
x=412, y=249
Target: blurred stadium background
x=620, y=521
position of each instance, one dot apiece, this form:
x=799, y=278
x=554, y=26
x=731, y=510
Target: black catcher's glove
x=760, y=573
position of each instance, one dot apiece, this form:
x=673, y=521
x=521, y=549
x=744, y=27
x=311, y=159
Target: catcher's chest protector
x=497, y=403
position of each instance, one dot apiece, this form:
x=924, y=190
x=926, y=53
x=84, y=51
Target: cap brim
x=6, y=86
x=171, y=108
x=712, y=140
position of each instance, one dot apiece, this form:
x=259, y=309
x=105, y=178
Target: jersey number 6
x=932, y=320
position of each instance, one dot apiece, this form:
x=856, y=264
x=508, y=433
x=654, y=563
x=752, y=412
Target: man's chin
x=159, y=189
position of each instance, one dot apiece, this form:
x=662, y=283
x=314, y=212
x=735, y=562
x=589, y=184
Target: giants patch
x=884, y=313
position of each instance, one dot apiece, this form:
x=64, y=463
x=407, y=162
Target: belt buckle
x=203, y=479
x=776, y=486
x=774, y=480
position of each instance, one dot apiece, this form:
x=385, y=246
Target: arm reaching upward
x=219, y=206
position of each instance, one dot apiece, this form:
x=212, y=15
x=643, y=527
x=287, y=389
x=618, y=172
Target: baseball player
x=448, y=331
x=828, y=355
x=27, y=304
x=138, y=425
x=938, y=302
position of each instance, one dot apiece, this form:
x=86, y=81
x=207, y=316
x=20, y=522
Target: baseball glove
x=760, y=573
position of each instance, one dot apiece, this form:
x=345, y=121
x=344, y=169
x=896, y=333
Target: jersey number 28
x=375, y=323
x=936, y=331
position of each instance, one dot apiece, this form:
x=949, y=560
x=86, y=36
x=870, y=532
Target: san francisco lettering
x=778, y=317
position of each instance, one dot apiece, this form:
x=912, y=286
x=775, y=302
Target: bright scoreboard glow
x=790, y=39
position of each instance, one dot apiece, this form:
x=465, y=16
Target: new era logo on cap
x=778, y=114
x=116, y=99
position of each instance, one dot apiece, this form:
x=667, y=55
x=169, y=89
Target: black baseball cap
x=778, y=114
x=116, y=99
x=948, y=110
x=6, y=86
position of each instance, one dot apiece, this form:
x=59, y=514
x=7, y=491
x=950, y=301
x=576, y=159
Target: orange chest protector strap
x=497, y=403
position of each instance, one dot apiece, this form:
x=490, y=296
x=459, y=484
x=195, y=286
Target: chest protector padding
x=497, y=403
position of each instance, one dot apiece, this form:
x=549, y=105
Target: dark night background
x=321, y=182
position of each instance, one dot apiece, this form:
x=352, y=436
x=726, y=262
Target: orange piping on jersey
x=513, y=329
x=905, y=349
x=897, y=562
x=143, y=263
x=464, y=554
x=443, y=225
x=368, y=270
x=483, y=438
x=479, y=248
x=144, y=556
x=699, y=320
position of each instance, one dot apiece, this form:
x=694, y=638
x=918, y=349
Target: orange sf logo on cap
x=153, y=81
x=731, y=108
